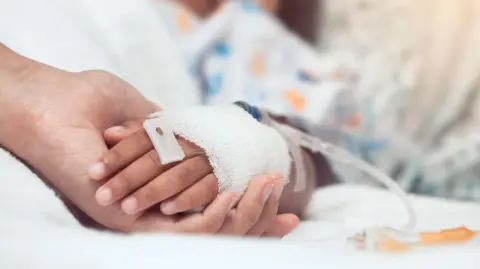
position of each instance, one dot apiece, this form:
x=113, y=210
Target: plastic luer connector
x=386, y=239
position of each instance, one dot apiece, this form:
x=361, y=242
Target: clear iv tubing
x=336, y=153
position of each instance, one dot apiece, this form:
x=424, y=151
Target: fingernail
x=104, y=196
x=267, y=191
x=129, y=206
x=117, y=129
x=168, y=208
x=97, y=170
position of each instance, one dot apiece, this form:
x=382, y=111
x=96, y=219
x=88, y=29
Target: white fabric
x=243, y=53
x=349, y=208
x=127, y=38
x=237, y=146
x=418, y=72
x=38, y=232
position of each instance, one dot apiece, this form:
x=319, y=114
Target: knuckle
x=153, y=157
x=97, y=73
x=101, y=75
x=147, y=196
x=182, y=176
x=94, y=74
x=99, y=79
x=103, y=78
x=121, y=184
x=184, y=172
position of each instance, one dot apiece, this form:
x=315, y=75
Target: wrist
x=12, y=64
x=14, y=72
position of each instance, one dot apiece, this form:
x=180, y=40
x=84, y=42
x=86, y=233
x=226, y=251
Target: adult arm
x=53, y=119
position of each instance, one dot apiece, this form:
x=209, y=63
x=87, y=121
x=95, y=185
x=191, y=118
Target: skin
x=199, y=190
x=300, y=16
x=136, y=177
x=138, y=174
x=52, y=114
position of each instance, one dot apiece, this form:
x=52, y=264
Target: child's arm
x=317, y=172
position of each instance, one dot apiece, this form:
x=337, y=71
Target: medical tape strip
x=160, y=132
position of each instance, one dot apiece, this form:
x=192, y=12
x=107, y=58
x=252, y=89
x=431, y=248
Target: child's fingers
x=125, y=152
x=282, y=225
x=198, y=195
x=131, y=178
x=250, y=207
x=270, y=210
x=115, y=134
x=212, y=218
x=167, y=184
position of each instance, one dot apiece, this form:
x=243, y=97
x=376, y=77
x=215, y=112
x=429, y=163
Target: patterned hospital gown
x=360, y=90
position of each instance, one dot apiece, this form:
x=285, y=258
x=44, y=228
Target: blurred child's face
x=201, y=7
x=205, y=7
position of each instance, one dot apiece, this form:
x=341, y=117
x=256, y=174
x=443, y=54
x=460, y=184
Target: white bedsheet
x=354, y=207
x=37, y=232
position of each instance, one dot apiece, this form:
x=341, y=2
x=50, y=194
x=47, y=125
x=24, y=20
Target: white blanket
x=36, y=231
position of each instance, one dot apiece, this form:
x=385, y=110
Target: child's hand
x=256, y=213
x=133, y=170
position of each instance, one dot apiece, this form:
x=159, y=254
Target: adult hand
x=56, y=125
x=56, y=120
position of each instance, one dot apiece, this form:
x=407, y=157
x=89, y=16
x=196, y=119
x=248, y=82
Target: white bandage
x=237, y=146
